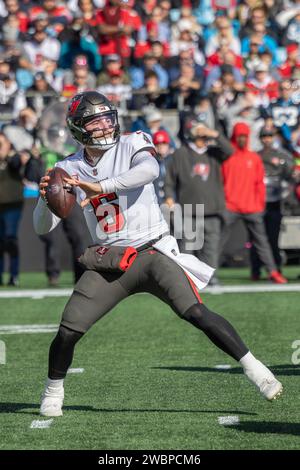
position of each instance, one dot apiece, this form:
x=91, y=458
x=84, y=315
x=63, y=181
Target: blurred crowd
x=216, y=64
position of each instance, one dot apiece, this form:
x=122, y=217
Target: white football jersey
x=129, y=217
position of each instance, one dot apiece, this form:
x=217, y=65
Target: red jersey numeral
x=108, y=214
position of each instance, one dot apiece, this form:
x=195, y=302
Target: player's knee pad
x=11, y=246
x=68, y=337
x=200, y=316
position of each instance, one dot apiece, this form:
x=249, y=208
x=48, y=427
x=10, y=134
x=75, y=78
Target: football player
x=113, y=177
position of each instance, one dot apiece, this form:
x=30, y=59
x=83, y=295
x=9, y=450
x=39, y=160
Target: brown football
x=60, y=196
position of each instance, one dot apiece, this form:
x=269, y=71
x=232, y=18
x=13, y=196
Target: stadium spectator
x=13, y=7
x=262, y=86
x=40, y=94
x=11, y=201
x=150, y=63
x=292, y=62
x=216, y=72
x=145, y=46
x=186, y=88
x=292, y=33
x=112, y=65
x=245, y=195
x=87, y=8
x=257, y=17
x=224, y=55
x=243, y=110
x=187, y=41
x=151, y=93
x=279, y=167
x=285, y=111
x=185, y=57
x=58, y=14
x=116, y=90
x=161, y=140
x=158, y=21
x=116, y=27
x=151, y=122
x=194, y=176
x=77, y=39
x=265, y=40
x=17, y=131
x=80, y=63
x=226, y=91
x=224, y=31
x=41, y=44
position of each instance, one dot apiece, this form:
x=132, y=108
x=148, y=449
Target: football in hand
x=60, y=196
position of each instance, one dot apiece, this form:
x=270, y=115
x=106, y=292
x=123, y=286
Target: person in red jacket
x=245, y=196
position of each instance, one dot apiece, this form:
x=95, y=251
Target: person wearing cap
x=292, y=62
x=161, y=140
x=245, y=196
x=262, y=85
x=151, y=122
x=194, y=175
x=80, y=63
x=278, y=166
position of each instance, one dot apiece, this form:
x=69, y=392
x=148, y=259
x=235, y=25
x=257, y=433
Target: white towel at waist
x=199, y=272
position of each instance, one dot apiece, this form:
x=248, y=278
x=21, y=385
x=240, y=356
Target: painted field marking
x=223, y=366
x=41, y=424
x=41, y=293
x=77, y=370
x=22, y=329
x=228, y=420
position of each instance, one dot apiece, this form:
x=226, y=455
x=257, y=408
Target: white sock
x=55, y=383
x=254, y=369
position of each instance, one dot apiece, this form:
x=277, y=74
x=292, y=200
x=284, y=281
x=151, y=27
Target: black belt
x=150, y=243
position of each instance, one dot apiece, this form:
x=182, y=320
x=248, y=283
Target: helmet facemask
x=98, y=131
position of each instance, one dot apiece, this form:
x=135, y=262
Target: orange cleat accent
x=277, y=277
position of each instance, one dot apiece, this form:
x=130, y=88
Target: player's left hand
x=91, y=189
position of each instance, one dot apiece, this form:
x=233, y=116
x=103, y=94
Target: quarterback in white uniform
x=113, y=176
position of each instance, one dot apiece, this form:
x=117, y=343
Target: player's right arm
x=43, y=219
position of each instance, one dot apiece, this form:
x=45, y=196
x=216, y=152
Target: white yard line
x=78, y=370
x=34, y=293
x=41, y=424
x=253, y=288
x=21, y=329
x=223, y=366
x=228, y=420
x=41, y=293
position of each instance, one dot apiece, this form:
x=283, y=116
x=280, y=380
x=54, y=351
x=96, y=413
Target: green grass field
x=149, y=379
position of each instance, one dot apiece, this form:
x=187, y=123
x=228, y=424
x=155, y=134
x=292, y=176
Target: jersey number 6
x=108, y=214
